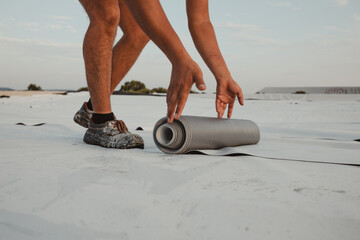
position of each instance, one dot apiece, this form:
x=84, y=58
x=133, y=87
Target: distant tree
x=300, y=92
x=34, y=87
x=83, y=89
x=143, y=91
x=159, y=90
x=132, y=86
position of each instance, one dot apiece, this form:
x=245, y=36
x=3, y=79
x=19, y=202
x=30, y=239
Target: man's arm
x=151, y=18
x=204, y=38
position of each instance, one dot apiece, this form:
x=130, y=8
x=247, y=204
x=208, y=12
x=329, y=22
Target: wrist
x=221, y=74
x=223, y=78
x=180, y=58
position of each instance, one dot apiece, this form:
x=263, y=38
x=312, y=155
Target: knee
x=106, y=21
x=137, y=38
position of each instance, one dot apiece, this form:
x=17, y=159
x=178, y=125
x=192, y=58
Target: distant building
x=6, y=89
x=311, y=90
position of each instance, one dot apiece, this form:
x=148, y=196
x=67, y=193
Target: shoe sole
x=94, y=139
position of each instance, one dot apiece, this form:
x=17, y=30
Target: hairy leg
x=129, y=47
x=97, y=49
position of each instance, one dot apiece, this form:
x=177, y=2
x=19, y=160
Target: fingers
x=220, y=108
x=170, y=114
x=181, y=82
x=177, y=103
x=223, y=108
x=230, y=109
x=240, y=97
x=199, y=82
x=180, y=107
x=171, y=105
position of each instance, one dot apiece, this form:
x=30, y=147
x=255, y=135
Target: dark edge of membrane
x=39, y=124
x=34, y=125
x=330, y=139
x=279, y=159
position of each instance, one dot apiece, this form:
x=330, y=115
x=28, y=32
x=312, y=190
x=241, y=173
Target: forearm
x=204, y=38
x=151, y=18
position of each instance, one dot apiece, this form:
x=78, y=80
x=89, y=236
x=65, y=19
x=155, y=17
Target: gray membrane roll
x=191, y=133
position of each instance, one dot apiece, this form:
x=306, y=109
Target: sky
x=266, y=43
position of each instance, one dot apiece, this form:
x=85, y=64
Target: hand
x=183, y=76
x=226, y=91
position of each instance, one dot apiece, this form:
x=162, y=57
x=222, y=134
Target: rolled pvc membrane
x=191, y=133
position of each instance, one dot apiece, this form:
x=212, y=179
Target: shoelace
x=121, y=126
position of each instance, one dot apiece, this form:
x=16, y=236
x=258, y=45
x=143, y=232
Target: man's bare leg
x=124, y=55
x=97, y=49
x=103, y=129
x=129, y=47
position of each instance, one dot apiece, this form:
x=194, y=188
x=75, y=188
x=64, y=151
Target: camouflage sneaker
x=82, y=117
x=112, y=134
